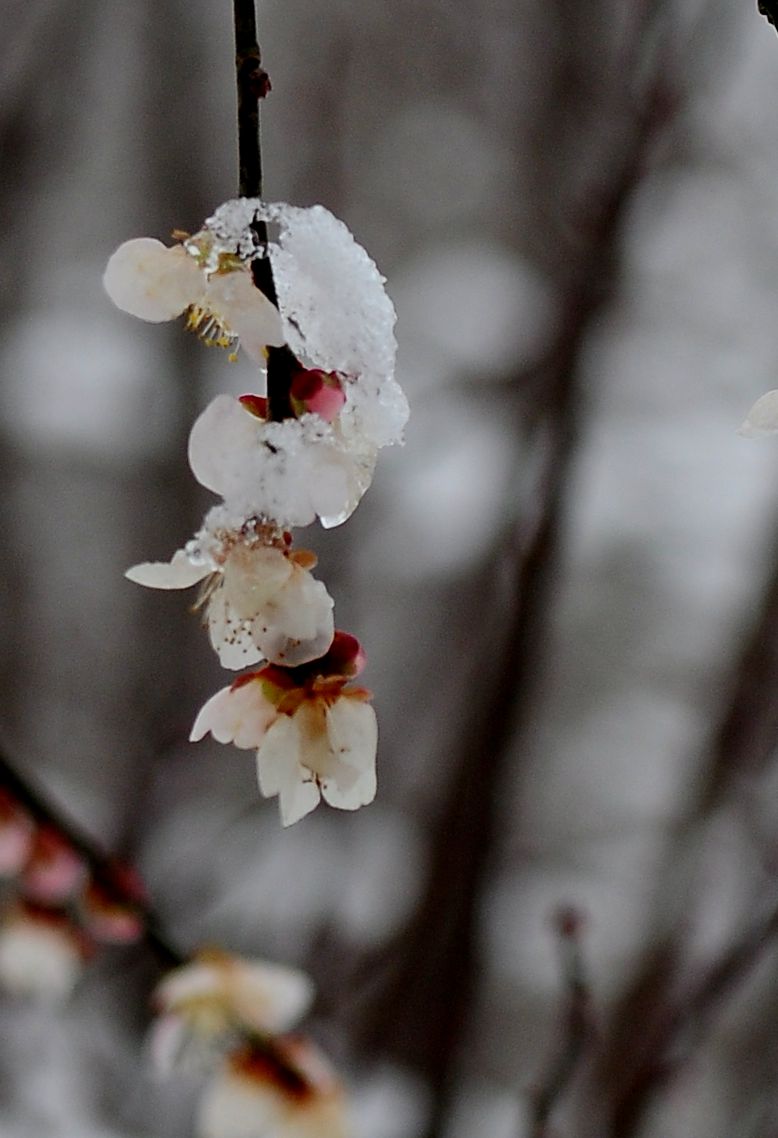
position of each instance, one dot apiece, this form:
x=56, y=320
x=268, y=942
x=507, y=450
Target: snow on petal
x=151, y=281
x=245, y=311
x=239, y=714
x=762, y=419
x=178, y=573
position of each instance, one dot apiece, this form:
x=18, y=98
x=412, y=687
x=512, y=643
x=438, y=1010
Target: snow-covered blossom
x=218, y=998
x=262, y=601
x=41, y=953
x=153, y=282
x=335, y=310
x=287, y=472
x=762, y=419
x=287, y=1090
x=315, y=733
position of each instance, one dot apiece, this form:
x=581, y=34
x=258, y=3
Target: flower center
x=210, y=329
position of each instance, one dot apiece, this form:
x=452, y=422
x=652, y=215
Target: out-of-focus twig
x=428, y=998
x=575, y=1022
x=253, y=85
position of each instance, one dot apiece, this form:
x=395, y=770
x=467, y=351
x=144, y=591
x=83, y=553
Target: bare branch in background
x=575, y=1026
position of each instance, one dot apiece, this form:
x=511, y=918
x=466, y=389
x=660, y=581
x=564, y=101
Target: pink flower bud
x=318, y=391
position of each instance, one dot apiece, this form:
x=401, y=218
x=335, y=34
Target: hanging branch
x=254, y=84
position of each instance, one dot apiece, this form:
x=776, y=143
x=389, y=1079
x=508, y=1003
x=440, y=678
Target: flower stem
x=106, y=871
x=253, y=85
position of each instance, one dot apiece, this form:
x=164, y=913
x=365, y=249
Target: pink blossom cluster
x=329, y=329
x=56, y=913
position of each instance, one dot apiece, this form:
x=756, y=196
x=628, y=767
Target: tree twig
x=253, y=84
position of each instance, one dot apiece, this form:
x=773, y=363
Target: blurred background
x=560, y=917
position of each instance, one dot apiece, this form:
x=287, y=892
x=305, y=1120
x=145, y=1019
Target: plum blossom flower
x=287, y=1090
x=219, y=997
x=762, y=419
x=157, y=283
x=315, y=733
x=262, y=601
x=287, y=472
x=41, y=953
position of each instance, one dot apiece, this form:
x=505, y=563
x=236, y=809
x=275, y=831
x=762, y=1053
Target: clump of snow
x=335, y=310
x=288, y=472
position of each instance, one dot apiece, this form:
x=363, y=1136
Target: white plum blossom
x=157, y=283
x=41, y=955
x=262, y=601
x=217, y=998
x=287, y=1090
x=762, y=419
x=287, y=472
x=315, y=734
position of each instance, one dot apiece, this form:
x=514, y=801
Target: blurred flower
x=54, y=871
x=219, y=998
x=285, y=472
x=153, y=282
x=108, y=920
x=287, y=1090
x=262, y=601
x=16, y=835
x=41, y=953
x=315, y=735
x=762, y=419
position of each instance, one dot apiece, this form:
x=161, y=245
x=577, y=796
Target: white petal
x=246, y=311
x=240, y=716
x=230, y=635
x=151, y=281
x=178, y=573
x=270, y=997
x=233, y=1108
x=221, y=443
x=280, y=772
x=298, y=625
x=353, y=736
x=253, y=576
x=762, y=419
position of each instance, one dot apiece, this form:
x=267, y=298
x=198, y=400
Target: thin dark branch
x=107, y=872
x=253, y=84
x=248, y=67
x=634, y=1062
x=575, y=1027
x=746, y=737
